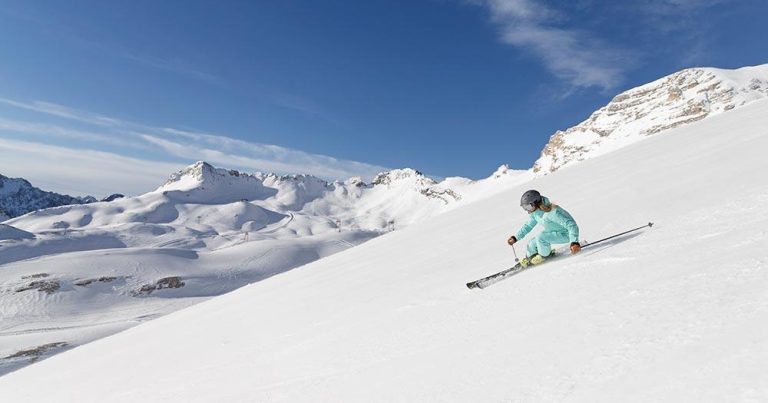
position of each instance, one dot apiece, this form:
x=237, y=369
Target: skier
x=559, y=227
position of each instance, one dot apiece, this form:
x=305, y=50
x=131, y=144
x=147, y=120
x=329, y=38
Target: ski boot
x=535, y=259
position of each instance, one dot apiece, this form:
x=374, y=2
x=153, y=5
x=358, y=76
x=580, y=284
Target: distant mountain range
x=400, y=196
x=677, y=99
x=18, y=197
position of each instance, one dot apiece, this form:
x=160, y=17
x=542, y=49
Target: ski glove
x=512, y=240
x=575, y=247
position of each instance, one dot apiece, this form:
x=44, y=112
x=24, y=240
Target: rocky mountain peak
x=504, y=169
x=405, y=175
x=677, y=99
x=199, y=172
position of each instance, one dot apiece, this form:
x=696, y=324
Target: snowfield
x=675, y=313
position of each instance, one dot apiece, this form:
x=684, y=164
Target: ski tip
x=650, y=224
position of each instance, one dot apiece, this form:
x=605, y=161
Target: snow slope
x=676, y=313
x=8, y=232
x=678, y=99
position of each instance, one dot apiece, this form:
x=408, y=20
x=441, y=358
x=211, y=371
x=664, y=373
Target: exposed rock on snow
x=167, y=282
x=37, y=275
x=46, y=286
x=86, y=282
x=678, y=99
x=33, y=354
x=113, y=197
x=407, y=175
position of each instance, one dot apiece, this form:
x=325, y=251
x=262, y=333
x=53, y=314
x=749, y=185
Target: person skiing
x=559, y=227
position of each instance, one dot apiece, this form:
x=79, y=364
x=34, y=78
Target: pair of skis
x=517, y=268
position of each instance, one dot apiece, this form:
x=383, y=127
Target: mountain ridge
x=18, y=197
x=677, y=99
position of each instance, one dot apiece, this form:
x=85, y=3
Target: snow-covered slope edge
x=678, y=99
x=678, y=313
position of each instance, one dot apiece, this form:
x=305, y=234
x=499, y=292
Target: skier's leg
x=543, y=245
x=545, y=240
x=532, y=247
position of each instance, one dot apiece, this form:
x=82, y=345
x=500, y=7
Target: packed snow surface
x=675, y=313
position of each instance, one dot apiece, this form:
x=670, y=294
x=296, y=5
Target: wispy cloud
x=81, y=171
x=49, y=130
x=676, y=7
x=64, y=32
x=681, y=22
x=63, y=112
x=579, y=58
x=260, y=157
x=176, y=66
x=174, y=144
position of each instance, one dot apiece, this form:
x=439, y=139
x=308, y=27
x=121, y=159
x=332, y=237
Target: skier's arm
x=526, y=228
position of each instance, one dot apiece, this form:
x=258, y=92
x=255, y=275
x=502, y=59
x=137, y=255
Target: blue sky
x=99, y=97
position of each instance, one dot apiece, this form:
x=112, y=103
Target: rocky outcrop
x=672, y=101
x=163, y=283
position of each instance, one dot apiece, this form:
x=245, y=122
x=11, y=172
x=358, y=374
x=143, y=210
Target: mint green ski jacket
x=557, y=220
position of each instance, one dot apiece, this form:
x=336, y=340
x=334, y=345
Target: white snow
x=8, y=232
x=676, y=313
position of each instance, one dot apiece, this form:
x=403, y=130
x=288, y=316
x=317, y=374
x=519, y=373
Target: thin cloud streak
x=175, y=66
x=185, y=145
x=681, y=20
x=64, y=112
x=81, y=172
x=268, y=158
x=574, y=56
x=48, y=130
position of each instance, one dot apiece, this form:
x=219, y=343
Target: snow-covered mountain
x=675, y=100
x=18, y=197
x=102, y=267
x=677, y=313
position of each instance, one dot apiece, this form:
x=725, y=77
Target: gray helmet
x=530, y=200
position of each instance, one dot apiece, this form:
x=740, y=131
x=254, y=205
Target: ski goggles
x=529, y=207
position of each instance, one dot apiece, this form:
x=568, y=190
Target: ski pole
x=515, y=252
x=649, y=225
